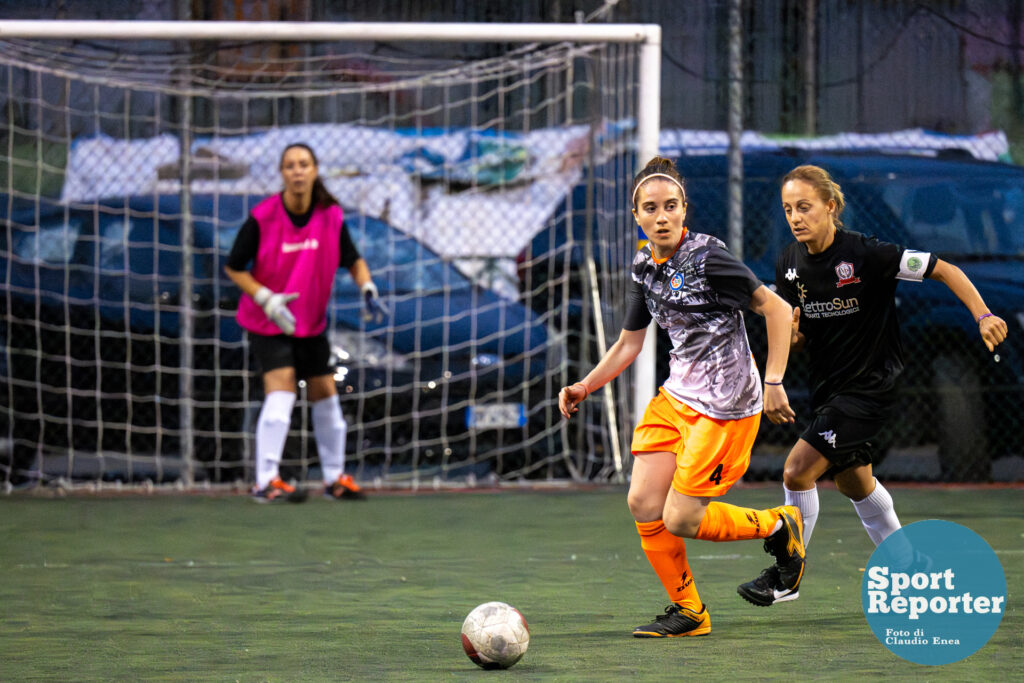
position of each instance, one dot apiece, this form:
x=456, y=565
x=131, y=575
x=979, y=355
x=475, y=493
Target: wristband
x=983, y=316
x=773, y=384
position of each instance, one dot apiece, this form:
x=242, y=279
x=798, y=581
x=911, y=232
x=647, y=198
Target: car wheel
x=963, y=446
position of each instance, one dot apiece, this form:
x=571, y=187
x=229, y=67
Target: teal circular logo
x=934, y=592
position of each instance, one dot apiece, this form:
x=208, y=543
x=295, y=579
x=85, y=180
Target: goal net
x=484, y=183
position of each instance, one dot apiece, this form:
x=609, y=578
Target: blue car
x=104, y=282
x=970, y=213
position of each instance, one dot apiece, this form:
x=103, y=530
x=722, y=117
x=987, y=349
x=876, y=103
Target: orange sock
x=724, y=522
x=667, y=555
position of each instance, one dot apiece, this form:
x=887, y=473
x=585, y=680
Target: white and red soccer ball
x=495, y=635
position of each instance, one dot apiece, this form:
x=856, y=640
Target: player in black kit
x=842, y=286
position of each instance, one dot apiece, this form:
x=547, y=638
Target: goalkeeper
x=295, y=241
x=693, y=441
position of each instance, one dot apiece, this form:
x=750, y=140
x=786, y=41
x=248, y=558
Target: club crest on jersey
x=676, y=283
x=844, y=271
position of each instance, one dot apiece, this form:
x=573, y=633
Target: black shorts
x=310, y=356
x=844, y=441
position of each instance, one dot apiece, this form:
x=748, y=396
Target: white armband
x=913, y=265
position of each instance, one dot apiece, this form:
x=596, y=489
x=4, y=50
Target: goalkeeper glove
x=373, y=307
x=276, y=308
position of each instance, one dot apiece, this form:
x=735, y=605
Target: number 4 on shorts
x=716, y=476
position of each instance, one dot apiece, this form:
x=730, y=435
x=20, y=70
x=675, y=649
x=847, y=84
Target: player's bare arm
x=618, y=357
x=778, y=317
x=360, y=272
x=991, y=327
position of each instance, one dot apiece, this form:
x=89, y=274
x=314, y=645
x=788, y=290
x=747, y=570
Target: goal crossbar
x=313, y=31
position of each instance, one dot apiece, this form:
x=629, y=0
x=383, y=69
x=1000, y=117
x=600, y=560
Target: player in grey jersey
x=842, y=286
x=694, y=439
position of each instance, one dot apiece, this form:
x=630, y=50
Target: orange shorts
x=711, y=455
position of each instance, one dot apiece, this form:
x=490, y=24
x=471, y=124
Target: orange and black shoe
x=676, y=622
x=278, y=491
x=787, y=545
x=780, y=582
x=344, y=488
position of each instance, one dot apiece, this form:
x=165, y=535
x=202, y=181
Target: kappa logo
x=844, y=271
x=791, y=274
x=829, y=437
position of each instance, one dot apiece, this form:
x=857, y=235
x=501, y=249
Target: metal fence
x=917, y=109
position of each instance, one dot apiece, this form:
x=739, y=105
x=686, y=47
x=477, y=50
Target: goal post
x=488, y=190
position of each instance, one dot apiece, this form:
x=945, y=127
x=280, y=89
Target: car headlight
x=353, y=348
x=484, y=360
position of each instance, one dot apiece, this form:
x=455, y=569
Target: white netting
x=477, y=189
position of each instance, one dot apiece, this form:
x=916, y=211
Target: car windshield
x=980, y=217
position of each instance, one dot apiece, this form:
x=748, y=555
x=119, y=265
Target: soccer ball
x=495, y=635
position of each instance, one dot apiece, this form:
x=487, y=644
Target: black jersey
x=848, y=315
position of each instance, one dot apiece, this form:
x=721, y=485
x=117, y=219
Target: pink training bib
x=292, y=259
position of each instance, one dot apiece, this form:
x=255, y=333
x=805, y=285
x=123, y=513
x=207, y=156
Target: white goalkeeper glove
x=276, y=308
x=373, y=307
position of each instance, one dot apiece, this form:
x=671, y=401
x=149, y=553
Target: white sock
x=877, y=514
x=329, y=428
x=271, y=433
x=807, y=501
x=879, y=518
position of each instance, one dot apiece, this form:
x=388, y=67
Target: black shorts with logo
x=844, y=441
x=310, y=356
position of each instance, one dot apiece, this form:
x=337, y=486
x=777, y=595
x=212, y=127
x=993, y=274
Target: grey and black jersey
x=698, y=295
x=848, y=317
